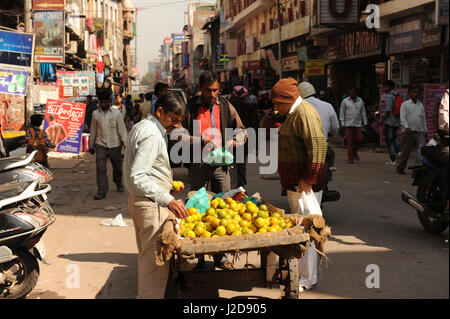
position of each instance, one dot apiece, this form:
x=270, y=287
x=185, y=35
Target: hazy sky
x=159, y=20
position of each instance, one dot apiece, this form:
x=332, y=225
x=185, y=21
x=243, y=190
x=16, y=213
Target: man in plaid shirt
x=302, y=150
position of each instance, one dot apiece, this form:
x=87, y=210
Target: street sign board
x=50, y=36
x=16, y=49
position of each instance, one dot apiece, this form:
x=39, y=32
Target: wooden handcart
x=288, y=245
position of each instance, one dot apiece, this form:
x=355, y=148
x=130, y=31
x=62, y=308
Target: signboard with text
x=75, y=83
x=16, y=48
x=405, y=34
x=64, y=124
x=13, y=82
x=432, y=99
x=314, y=67
x=49, y=30
x=48, y=4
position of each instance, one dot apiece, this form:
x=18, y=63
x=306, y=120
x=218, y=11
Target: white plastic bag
x=308, y=204
x=115, y=222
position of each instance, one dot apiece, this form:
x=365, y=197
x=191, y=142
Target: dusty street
x=370, y=226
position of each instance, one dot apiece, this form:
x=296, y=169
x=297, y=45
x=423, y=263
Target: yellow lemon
x=199, y=229
x=211, y=212
x=262, y=230
x=206, y=234
x=276, y=215
x=209, y=227
x=215, y=222
x=247, y=231
x=272, y=229
x=274, y=221
x=263, y=207
x=247, y=217
x=236, y=233
x=231, y=228
x=190, y=226
x=225, y=222
x=221, y=231
x=263, y=214
x=260, y=222
x=190, y=233
x=244, y=223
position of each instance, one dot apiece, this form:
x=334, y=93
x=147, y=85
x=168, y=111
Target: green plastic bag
x=220, y=157
x=199, y=201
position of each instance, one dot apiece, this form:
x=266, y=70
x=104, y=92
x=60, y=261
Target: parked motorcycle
x=25, y=215
x=431, y=198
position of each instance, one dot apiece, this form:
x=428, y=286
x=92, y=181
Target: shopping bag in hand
x=308, y=204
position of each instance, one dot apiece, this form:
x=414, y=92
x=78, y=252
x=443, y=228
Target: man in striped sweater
x=302, y=149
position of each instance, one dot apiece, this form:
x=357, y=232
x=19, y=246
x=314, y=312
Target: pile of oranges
x=230, y=218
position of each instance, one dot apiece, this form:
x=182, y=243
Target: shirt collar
x=153, y=119
x=200, y=103
x=296, y=103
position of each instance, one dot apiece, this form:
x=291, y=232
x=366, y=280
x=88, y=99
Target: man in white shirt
x=107, y=137
x=414, y=126
x=353, y=119
x=329, y=119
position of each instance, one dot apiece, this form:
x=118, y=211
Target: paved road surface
x=370, y=226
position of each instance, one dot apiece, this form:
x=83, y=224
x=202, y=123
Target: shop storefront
x=356, y=59
x=418, y=50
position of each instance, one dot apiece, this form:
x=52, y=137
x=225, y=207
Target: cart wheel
x=289, y=279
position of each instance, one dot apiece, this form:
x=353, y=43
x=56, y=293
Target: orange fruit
x=192, y=211
x=260, y=222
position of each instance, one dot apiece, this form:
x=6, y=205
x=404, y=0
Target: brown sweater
x=302, y=149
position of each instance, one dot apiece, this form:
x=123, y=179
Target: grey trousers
x=115, y=156
x=410, y=143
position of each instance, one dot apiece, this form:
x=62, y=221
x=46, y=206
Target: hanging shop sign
x=302, y=53
x=48, y=4
x=290, y=63
x=359, y=44
x=16, y=49
x=75, y=83
x=405, y=34
x=12, y=112
x=64, y=124
x=251, y=65
x=338, y=12
x=442, y=12
x=49, y=31
x=314, y=67
x=13, y=81
x=431, y=32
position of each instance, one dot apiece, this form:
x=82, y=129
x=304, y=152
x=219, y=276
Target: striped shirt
x=302, y=148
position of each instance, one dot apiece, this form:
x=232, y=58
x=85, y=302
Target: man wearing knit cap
x=302, y=150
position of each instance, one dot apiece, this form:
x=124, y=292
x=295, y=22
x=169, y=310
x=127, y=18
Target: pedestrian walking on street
x=108, y=136
x=160, y=89
x=148, y=179
x=329, y=119
x=214, y=114
x=302, y=151
x=391, y=121
x=353, y=119
x=37, y=140
x=91, y=106
x=119, y=105
x=414, y=127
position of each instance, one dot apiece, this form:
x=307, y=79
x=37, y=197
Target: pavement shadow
x=123, y=279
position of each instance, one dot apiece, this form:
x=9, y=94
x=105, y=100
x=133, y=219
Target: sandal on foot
x=225, y=265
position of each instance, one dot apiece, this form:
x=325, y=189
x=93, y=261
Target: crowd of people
x=138, y=131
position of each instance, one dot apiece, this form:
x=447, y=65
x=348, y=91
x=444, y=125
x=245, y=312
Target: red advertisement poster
x=64, y=124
